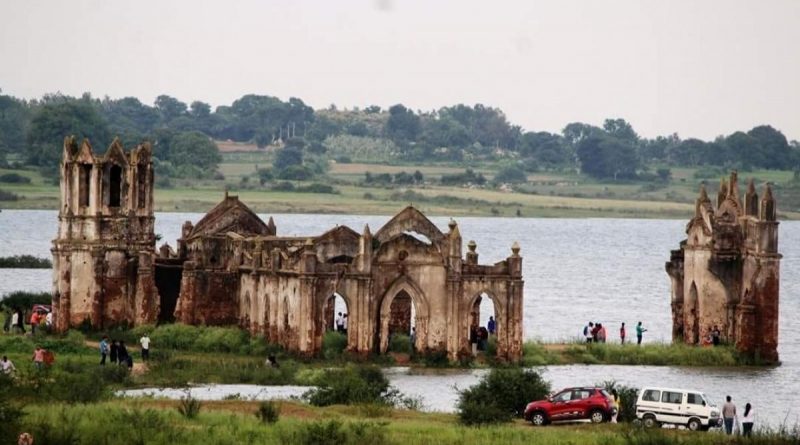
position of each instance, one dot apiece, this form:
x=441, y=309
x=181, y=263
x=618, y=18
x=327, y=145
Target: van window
x=651, y=395
x=672, y=397
x=694, y=399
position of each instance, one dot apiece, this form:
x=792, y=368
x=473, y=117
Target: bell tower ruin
x=726, y=273
x=104, y=251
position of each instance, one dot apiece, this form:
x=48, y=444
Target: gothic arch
x=692, y=311
x=421, y=306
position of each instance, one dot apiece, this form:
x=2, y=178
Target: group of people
x=15, y=321
x=730, y=417
x=341, y=323
x=117, y=352
x=713, y=338
x=596, y=333
x=479, y=335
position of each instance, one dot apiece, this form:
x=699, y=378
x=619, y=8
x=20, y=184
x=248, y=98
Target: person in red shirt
x=38, y=358
x=34, y=322
x=622, y=333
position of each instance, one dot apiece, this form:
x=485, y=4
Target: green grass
x=228, y=422
x=651, y=354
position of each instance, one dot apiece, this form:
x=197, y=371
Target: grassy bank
x=227, y=422
x=545, y=194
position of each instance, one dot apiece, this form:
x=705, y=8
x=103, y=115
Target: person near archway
x=344, y=324
x=339, y=323
x=473, y=339
x=492, y=325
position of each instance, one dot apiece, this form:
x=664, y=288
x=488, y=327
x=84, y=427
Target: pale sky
x=699, y=68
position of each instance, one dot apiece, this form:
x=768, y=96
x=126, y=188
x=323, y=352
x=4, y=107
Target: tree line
x=183, y=136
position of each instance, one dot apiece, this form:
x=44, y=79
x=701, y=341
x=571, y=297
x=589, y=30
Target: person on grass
x=640, y=330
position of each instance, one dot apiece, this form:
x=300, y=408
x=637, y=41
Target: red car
x=594, y=404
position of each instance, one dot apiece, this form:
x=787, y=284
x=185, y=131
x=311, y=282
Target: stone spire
x=472, y=255
x=455, y=239
x=702, y=200
x=769, y=210
x=365, y=250
x=751, y=200
x=722, y=193
x=273, y=230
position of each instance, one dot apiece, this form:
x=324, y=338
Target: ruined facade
x=232, y=268
x=727, y=271
x=103, y=255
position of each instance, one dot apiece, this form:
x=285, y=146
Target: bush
x=400, y=343
x=25, y=262
x=26, y=300
x=333, y=344
x=511, y=175
x=8, y=196
x=334, y=432
x=218, y=339
x=268, y=412
x=189, y=407
x=350, y=385
x=501, y=394
x=14, y=178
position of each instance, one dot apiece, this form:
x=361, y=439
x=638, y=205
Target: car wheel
x=694, y=425
x=538, y=419
x=597, y=416
x=650, y=422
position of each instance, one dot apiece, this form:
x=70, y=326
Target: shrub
x=217, y=339
x=14, y=178
x=8, y=196
x=350, y=385
x=511, y=175
x=502, y=394
x=400, y=343
x=333, y=344
x=268, y=412
x=25, y=262
x=328, y=432
x=436, y=359
x=189, y=406
x=86, y=387
x=26, y=300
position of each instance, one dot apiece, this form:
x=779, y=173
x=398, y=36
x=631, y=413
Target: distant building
x=727, y=271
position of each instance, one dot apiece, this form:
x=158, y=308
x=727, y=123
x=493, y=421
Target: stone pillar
x=184, y=309
x=147, y=299
x=98, y=263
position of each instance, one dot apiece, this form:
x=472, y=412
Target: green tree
x=621, y=129
x=169, y=108
x=775, y=149
x=606, y=157
x=194, y=149
x=403, y=125
x=14, y=119
x=510, y=174
x=287, y=157
x=60, y=117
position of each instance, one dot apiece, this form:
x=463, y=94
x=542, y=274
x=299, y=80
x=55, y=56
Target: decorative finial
x=452, y=224
x=703, y=192
x=472, y=245
x=751, y=187
x=515, y=248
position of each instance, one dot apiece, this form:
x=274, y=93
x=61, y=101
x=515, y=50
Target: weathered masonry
x=727, y=271
x=232, y=268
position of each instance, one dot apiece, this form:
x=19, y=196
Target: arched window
x=84, y=184
x=115, y=186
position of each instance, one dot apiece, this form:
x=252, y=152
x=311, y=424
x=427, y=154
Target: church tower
x=104, y=250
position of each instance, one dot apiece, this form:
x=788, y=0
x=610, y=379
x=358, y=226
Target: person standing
x=587, y=332
x=14, y=321
x=639, y=331
x=622, y=333
x=7, y=322
x=473, y=339
x=616, y=405
x=344, y=324
x=595, y=331
x=413, y=338
x=6, y=366
x=34, y=322
x=492, y=325
x=103, y=350
x=715, y=335
x=728, y=415
x=601, y=333
x=339, y=323
x=747, y=420
x=38, y=358
x=122, y=354
x=48, y=322
x=20, y=321
x=145, y=342
x=114, y=351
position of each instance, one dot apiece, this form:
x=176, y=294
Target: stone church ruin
x=232, y=268
x=727, y=271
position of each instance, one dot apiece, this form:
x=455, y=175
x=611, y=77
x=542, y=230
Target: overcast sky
x=699, y=68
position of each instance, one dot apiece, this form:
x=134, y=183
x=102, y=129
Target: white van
x=657, y=406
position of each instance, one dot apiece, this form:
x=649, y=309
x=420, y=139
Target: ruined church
x=726, y=273
x=231, y=268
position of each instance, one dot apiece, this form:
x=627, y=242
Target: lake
x=575, y=270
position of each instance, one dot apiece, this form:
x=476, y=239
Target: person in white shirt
x=6, y=366
x=339, y=323
x=747, y=420
x=14, y=321
x=145, y=342
x=48, y=321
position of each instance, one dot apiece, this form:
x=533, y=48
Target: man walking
x=145, y=342
x=728, y=415
x=103, y=350
x=587, y=332
x=639, y=331
x=622, y=333
x=492, y=325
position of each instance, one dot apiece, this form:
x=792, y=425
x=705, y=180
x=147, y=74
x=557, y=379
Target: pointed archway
x=484, y=308
x=406, y=298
